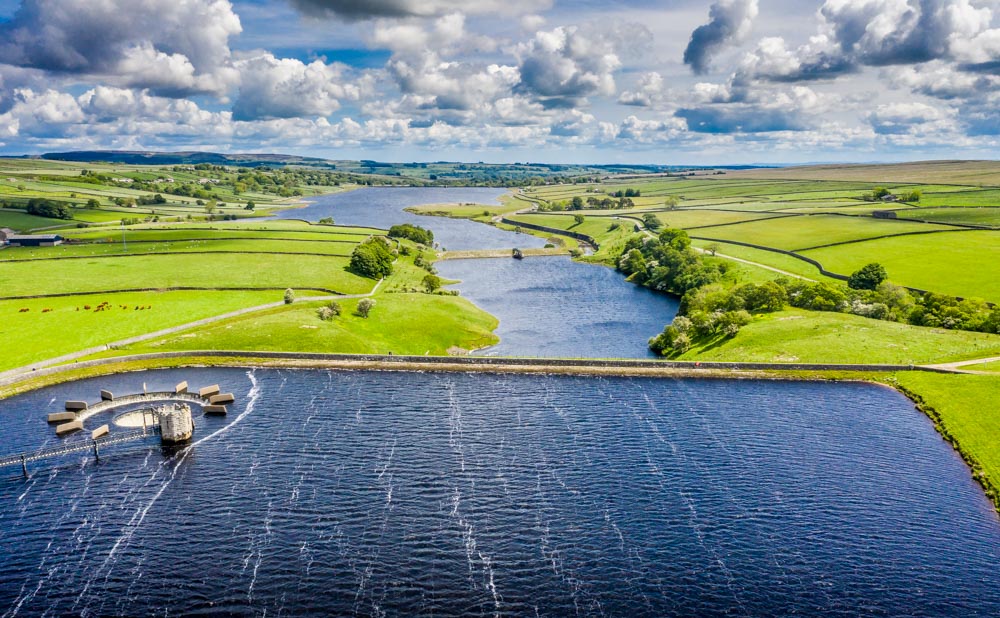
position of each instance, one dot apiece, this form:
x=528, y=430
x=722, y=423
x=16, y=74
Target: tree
x=372, y=259
x=651, y=221
x=578, y=219
x=289, y=296
x=365, y=306
x=868, y=277
x=92, y=203
x=713, y=248
x=211, y=207
x=879, y=192
x=576, y=203
x=432, y=283
x=326, y=221
x=671, y=202
x=250, y=206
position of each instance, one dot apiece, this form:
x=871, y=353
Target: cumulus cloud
x=729, y=23
x=941, y=80
x=174, y=45
x=648, y=92
x=285, y=88
x=880, y=33
x=899, y=118
x=368, y=9
x=563, y=66
x=733, y=108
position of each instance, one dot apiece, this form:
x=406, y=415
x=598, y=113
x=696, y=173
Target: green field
x=34, y=336
x=399, y=323
x=956, y=263
x=970, y=216
x=20, y=278
x=795, y=335
x=796, y=233
x=22, y=222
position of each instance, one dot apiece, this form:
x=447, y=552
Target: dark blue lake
x=553, y=306
x=401, y=494
x=383, y=207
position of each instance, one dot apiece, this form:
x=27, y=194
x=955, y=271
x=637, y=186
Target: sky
x=663, y=82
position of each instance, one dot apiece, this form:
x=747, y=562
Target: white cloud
x=180, y=45
x=563, y=66
x=285, y=87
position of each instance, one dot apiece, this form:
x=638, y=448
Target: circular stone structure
x=134, y=419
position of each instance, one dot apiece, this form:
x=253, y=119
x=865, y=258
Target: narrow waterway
x=553, y=306
x=375, y=493
x=547, y=306
x=384, y=206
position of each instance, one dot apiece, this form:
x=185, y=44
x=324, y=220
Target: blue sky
x=671, y=81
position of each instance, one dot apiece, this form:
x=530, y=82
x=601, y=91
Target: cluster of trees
x=592, y=202
x=415, y=233
x=711, y=309
x=714, y=310
x=329, y=311
x=372, y=258
x=878, y=193
x=42, y=207
x=627, y=193
x=667, y=263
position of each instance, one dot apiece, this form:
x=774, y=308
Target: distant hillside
x=981, y=173
x=180, y=158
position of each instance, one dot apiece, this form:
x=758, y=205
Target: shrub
x=289, y=296
x=365, y=306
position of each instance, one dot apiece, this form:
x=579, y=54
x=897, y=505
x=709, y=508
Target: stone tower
x=175, y=423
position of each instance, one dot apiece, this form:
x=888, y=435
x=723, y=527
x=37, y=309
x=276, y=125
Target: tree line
x=711, y=309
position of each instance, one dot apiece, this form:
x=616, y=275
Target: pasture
x=69, y=326
x=432, y=325
x=959, y=263
x=795, y=335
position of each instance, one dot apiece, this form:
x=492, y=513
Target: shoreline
x=57, y=374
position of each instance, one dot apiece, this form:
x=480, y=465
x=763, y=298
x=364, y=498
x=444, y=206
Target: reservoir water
x=383, y=207
x=553, y=306
x=401, y=494
x=548, y=306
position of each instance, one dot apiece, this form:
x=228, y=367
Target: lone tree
x=289, y=296
x=372, y=259
x=578, y=219
x=867, y=277
x=432, y=283
x=365, y=306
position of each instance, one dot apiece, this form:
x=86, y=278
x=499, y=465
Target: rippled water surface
x=383, y=207
x=553, y=306
x=417, y=494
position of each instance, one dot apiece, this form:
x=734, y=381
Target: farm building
x=35, y=240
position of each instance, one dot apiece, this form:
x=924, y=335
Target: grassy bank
x=965, y=411
x=400, y=323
